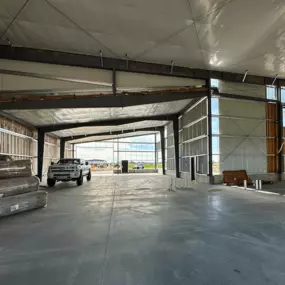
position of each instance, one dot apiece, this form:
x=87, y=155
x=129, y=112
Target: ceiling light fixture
x=213, y=60
x=244, y=77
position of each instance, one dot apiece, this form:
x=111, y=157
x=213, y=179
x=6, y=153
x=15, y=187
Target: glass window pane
x=215, y=106
x=215, y=83
x=216, y=164
x=283, y=95
x=271, y=93
x=215, y=145
x=215, y=126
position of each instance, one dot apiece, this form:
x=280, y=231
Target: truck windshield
x=69, y=161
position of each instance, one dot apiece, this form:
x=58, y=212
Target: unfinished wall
x=16, y=140
x=20, y=142
x=193, y=138
x=193, y=145
x=169, y=150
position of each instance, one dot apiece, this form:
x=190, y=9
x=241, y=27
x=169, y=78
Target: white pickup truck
x=69, y=169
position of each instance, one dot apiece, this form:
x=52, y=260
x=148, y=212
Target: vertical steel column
x=73, y=150
x=114, y=84
x=155, y=152
x=62, y=148
x=280, y=132
x=176, y=145
x=41, y=148
x=209, y=113
x=162, y=142
x=113, y=154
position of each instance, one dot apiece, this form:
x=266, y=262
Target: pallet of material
x=236, y=177
x=20, y=185
x=15, y=168
x=21, y=203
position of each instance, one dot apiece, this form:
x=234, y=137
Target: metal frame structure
x=119, y=100
x=280, y=132
x=88, y=61
x=176, y=144
x=62, y=147
x=114, y=122
x=173, y=118
x=162, y=141
x=66, y=139
x=97, y=101
x=210, y=144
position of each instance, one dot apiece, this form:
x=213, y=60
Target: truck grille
x=62, y=175
x=62, y=169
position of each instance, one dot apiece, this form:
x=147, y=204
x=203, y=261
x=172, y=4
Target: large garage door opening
x=140, y=153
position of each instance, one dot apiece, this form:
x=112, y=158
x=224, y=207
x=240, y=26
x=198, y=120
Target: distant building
x=98, y=162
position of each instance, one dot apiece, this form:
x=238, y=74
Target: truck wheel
x=89, y=176
x=79, y=181
x=50, y=182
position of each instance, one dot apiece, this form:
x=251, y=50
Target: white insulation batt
x=21, y=203
x=16, y=186
x=16, y=168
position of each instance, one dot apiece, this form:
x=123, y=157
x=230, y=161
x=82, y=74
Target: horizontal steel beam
x=105, y=101
x=114, y=122
x=70, y=59
x=110, y=138
x=153, y=129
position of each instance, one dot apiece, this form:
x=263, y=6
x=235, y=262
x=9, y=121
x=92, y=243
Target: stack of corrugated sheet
x=19, y=190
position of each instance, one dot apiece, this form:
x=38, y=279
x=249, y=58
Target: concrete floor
x=127, y=229
x=276, y=187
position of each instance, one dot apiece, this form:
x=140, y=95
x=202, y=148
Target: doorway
x=193, y=168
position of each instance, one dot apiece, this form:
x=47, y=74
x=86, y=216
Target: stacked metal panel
x=19, y=190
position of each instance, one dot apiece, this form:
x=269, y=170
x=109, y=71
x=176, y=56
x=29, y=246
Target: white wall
x=242, y=129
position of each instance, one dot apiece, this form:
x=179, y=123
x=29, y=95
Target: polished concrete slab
x=126, y=229
x=276, y=187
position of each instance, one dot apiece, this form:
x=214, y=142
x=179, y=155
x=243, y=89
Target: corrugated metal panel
x=242, y=109
x=242, y=127
x=242, y=136
x=55, y=71
x=242, y=89
x=140, y=80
